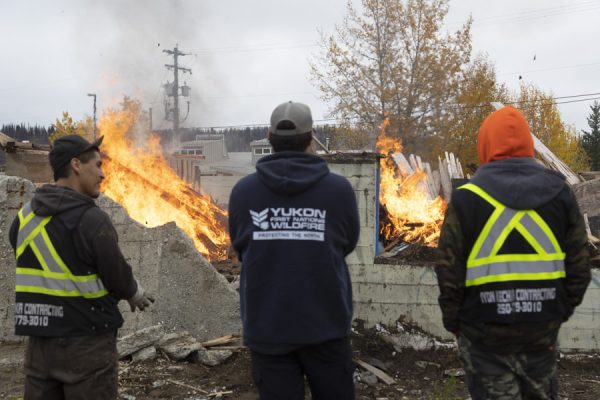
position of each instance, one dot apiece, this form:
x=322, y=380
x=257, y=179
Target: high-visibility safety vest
x=485, y=265
x=52, y=276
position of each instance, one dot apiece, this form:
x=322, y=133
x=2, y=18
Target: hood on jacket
x=291, y=172
x=51, y=200
x=504, y=134
x=519, y=183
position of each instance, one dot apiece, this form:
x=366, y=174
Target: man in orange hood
x=512, y=265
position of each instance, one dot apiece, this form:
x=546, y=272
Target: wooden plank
x=554, y=162
x=430, y=182
x=437, y=182
x=445, y=180
x=413, y=162
x=220, y=341
x=403, y=164
x=461, y=174
x=376, y=371
x=419, y=162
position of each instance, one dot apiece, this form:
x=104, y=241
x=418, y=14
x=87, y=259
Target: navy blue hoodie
x=292, y=223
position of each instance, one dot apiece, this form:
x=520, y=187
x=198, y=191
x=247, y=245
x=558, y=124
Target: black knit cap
x=68, y=147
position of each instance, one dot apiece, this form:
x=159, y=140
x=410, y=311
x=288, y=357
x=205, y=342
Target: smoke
x=120, y=45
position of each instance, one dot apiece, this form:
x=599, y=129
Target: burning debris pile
x=411, y=207
x=139, y=178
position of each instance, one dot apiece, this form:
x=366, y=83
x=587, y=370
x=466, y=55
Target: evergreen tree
x=591, y=138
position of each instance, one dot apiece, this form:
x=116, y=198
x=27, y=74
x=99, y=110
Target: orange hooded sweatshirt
x=504, y=134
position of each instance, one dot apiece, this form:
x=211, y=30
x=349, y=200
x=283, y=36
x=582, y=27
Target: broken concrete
x=178, y=346
x=211, y=358
x=191, y=295
x=149, y=353
x=141, y=339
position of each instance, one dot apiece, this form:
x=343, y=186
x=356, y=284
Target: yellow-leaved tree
x=67, y=126
x=394, y=59
x=543, y=116
x=473, y=104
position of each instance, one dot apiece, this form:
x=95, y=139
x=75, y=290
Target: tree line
x=34, y=133
x=239, y=139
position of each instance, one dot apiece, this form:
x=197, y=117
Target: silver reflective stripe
x=26, y=230
x=26, y=209
x=91, y=286
x=46, y=255
x=540, y=236
x=494, y=234
x=515, y=267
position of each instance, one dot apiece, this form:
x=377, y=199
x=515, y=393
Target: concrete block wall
x=582, y=331
x=361, y=171
x=14, y=192
x=29, y=164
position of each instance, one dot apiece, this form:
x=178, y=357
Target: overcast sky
x=249, y=56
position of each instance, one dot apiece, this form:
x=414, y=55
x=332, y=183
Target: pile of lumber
x=439, y=182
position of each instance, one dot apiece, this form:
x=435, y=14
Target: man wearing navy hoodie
x=513, y=265
x=292, y=223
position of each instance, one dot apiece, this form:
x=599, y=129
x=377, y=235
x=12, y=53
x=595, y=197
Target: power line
x=541, y=102
x=551, y=69
x=533, y=14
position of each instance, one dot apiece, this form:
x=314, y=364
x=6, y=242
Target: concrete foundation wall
x=32, y=165
x=191, y=295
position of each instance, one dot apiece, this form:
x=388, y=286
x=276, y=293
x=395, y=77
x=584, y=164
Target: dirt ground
x=418, y=375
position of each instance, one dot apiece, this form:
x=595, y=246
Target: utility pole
x=94, y=96
x=175, y=91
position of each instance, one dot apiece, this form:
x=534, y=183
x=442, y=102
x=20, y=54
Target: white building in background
x=259, y=149
x=210, y=169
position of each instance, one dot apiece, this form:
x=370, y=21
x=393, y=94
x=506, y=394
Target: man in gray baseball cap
x=292, y=223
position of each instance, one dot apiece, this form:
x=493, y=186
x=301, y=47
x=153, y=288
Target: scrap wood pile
x=408, y=232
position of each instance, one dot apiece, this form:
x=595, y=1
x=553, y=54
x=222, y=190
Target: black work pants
x=71, y=368
x=328, y=368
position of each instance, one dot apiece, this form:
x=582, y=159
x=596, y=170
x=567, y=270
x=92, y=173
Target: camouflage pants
x=519, y=376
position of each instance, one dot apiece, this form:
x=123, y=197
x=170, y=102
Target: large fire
x=411, y=215
x=139, y=178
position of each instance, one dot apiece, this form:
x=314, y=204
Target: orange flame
x=140, y=179
x=413, y=217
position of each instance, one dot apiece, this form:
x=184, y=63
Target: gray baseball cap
x=298, y=118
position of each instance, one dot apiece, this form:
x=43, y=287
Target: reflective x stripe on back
x=54, y=278
x=485, y=265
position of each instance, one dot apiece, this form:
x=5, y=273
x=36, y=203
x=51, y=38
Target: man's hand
x=140, y=299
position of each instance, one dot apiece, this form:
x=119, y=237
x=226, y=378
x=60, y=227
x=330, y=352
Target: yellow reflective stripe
x=32, y=235
x=530, y=239
x=53, y=252
x=505, y=232
x=484, y=233
x=71, y=277
x=39, y=257
x=541, y=276
x=60, y=293
x=544, y=226
x=477, y=190
x=515, y=257
x=24, y=220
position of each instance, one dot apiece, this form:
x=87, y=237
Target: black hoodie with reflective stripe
x=521, y=184
x=86, y=241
